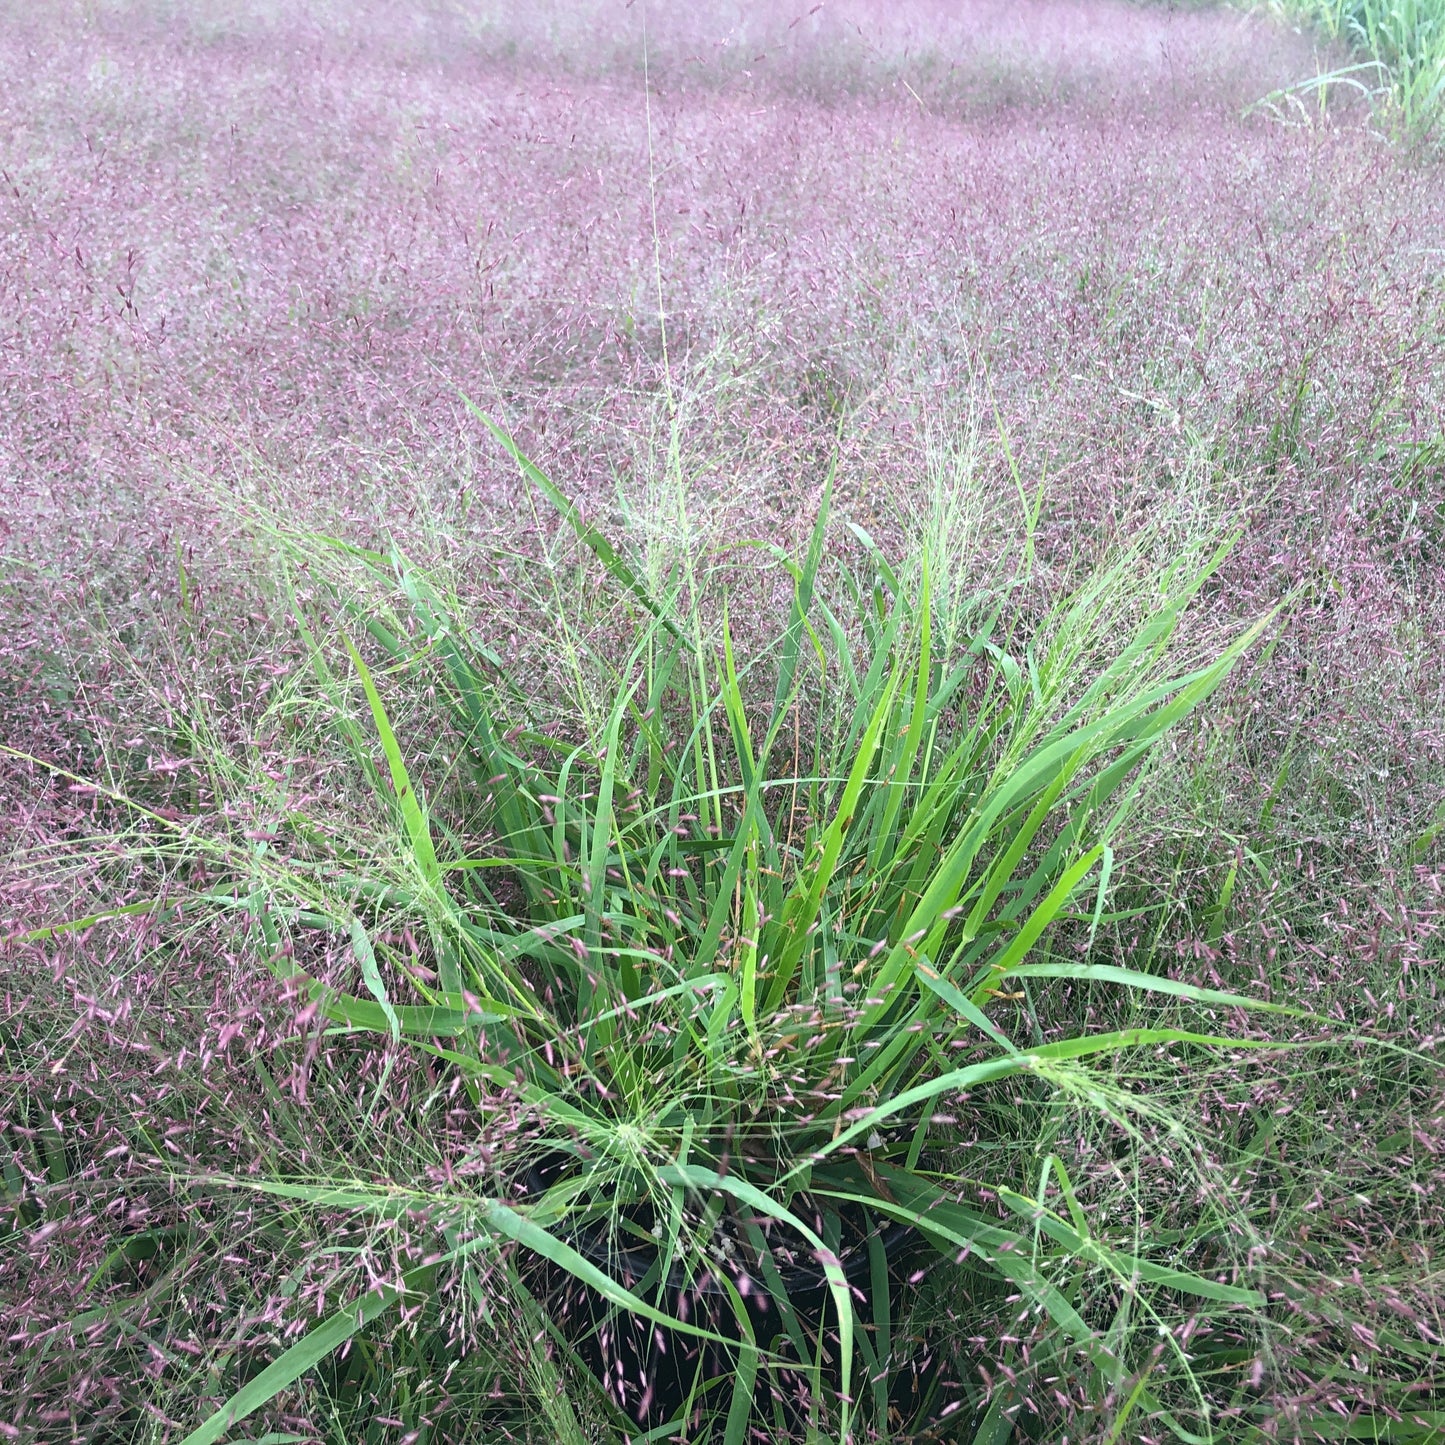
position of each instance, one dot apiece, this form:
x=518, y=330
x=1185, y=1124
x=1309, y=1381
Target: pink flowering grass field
x=721, y=722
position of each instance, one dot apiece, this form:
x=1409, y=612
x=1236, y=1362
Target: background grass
x=1044, y=288
x=1403, y=42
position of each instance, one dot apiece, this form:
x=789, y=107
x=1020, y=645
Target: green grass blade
x=962, y=1004
x=952, y=1227
x=75, y=925
x=956, y=1080
x=736, y=1429
x=587, y=534
x=793, y=932
x=694, y=1176
x=996, y=1428
x=1152, y=983
x=304, y=1355
x=802, y=603
x=886, y=837
x=1039, y=919
x=1125, y=1267
x=413, y=817
x=371, y=975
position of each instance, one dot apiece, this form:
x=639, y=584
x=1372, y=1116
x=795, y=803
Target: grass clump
x=721, y=981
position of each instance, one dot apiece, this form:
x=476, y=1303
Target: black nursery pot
x=648, y=1371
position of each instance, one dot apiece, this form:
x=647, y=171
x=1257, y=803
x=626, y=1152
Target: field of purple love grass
x=1034, y=278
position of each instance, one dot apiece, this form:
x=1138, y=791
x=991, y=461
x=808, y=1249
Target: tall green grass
x=733, y=948
x=1404, y=41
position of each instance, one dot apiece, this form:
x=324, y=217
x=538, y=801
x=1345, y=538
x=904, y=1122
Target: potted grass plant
x=738, y=950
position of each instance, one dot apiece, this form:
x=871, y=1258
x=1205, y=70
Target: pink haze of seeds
x=266, y=248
